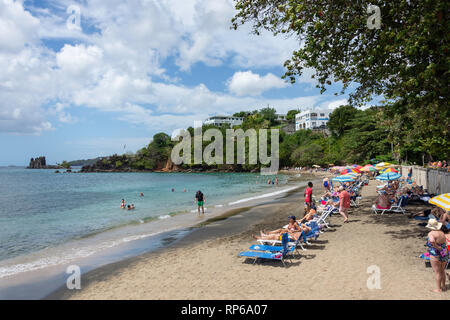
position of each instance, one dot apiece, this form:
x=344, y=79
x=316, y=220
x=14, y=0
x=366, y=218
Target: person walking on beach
x=308, y=198
x=437, y=248
x=344, y=202
x=200, y=198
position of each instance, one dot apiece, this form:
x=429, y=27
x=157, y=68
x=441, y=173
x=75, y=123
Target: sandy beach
x=205, y=265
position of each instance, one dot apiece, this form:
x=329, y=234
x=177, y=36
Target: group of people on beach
x=123, y=205
x=339, y=198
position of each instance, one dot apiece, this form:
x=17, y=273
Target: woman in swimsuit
x=437, y=248
x=293, y=228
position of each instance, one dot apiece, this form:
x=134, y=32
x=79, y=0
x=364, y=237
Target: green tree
x=291, y=115
x=406, y=61
x=340, y=119
x=65, y=164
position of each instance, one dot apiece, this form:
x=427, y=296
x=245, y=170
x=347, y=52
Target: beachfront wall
x=435, y=181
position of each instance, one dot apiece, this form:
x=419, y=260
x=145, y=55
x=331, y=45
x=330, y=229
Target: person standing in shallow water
x=200, y=198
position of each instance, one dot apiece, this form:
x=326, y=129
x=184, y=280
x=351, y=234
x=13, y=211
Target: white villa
x=218, y=121
x=312, y=119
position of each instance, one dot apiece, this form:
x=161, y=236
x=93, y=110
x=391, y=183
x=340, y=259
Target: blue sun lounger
x=269, y=255
x=291, y=246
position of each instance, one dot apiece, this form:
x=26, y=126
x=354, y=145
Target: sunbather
x=310, y=216
x=383, y=201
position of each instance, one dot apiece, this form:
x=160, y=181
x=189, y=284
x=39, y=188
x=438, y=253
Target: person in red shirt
x=308, y=198
x=344, y=202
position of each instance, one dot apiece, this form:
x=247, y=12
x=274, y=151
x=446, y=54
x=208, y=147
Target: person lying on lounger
x=310, y=216
x=274, y=235
x=435, y=213
x=293, y=228
x=383, y=201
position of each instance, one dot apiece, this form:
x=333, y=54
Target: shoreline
x=205, y=264
x=211, y=229
x=204, y=231
x=13, y=284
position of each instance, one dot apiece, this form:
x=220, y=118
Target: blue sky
x=131, y=70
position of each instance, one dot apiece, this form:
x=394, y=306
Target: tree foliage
x=406, y=61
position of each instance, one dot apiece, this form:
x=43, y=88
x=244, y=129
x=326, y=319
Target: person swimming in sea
x=122, y=204
x=142, y=194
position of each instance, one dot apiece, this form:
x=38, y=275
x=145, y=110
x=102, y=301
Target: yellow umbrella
x=442, y=200
x=382, y=164
x=390, y=170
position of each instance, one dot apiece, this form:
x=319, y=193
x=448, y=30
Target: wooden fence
x=435, y=181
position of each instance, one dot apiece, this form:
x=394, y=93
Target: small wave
x=164, y=217
x=70, y=255
x=265, y=195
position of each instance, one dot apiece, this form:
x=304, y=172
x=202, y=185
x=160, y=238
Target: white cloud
x=249, y=83
x=117, y=65
x=335, y=104
x=17, y=26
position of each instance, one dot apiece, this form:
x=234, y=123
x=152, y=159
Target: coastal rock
x=41, y=163
x=38, y=163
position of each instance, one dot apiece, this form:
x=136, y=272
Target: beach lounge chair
x=270, y=255
x=397, y=207
x=322, y=220
x=271, y=248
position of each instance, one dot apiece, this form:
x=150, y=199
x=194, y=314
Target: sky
x=88, y=78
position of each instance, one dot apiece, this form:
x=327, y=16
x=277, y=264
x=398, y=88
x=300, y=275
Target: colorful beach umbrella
x=344, y=178
x=382, y=164
x=346, y=171
x=368, y=169
x=389, y=170
x=442, y=201
x=351, y=174
x=388, y=176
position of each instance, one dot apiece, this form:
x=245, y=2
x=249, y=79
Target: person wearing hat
x=344, y=202
x=437, y=248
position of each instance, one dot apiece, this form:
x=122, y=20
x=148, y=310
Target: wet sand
x=205, y=264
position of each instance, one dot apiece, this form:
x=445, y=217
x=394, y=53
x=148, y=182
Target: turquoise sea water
x=41, y=209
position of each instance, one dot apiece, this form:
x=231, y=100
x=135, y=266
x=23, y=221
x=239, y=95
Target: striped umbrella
x=351, y=174
x=389, y=176
x=442, y=200
x=344, y=178
x=389, y=170
x=346, y=171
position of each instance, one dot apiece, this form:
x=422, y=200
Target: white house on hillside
x=312, y=119
x=219, y=121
